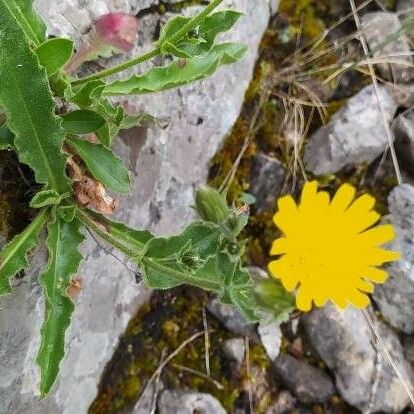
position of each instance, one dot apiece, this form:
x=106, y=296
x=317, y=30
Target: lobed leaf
x=63, y=241
x=26, y=18
x=201, y=40
x=177, y=74
x=173, y=261
x=13, y=258
x=54, y=54
x=28, y=103
x=102, y=164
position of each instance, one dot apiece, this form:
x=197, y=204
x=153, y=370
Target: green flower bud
x=211, y=205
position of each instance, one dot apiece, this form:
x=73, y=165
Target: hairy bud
x=211, y=205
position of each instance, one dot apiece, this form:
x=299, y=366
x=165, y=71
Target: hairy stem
x=192, y=24
x=100, y=230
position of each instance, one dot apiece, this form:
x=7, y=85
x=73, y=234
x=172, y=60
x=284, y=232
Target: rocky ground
x=327, y=361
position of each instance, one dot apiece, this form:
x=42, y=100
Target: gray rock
x=404, y=139
x=271, y=336
x=363, y=376
x=266, y=181
x=395, y=297
x=354, y=135
x=379, y=28
x=307, y=383
x=405, y=9
x=175, y=402
x=230, y=317
x=408, y=344
x=235, y=350
x=284, y=404
x=166, y=165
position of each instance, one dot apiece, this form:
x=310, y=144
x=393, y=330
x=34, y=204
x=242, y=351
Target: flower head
x=330, y=251
x=117, y=30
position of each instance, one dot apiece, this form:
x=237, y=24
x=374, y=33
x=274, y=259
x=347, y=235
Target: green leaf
x=29, y=106
x=64, y=258
x=120, y=235
x=82, y=121
x=6, y=138
x=173, y=261
x=176, y=74
x=54, y=54
x=13, y=257
x=83, y=95
x=201, y=40
x=273, y=300
x=102, y=164
x=67, y=213
x=25, y=17
x=47, y=198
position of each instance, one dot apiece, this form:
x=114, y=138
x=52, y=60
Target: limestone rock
x=166, y=165
x=379, y=28
x=363, y=376
x=271, y=337
x=395, y=297
x=174, y=402
x=235, y=350
x=230, y=317
x=266, y=181
x=309, y=384
x=354, y=135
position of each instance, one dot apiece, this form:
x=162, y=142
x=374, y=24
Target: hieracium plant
x=63, y=127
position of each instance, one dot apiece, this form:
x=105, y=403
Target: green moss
x=158, y=329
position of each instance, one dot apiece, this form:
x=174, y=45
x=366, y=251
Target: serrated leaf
x=64, y=258
x=6, y=138
x=54, y=54
x=200, y=40
x=26, y=18
x=170, y=262
x=177, y=74
x=102, y=164
x=82, y=121
x=47, y=198
x=29, y=106
x=13, y=258
x=83, y=95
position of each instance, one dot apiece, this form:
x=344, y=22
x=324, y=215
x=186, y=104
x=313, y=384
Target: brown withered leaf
x=76, y=286
x=88, y=192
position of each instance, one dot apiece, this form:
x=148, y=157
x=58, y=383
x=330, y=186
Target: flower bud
x=117, y=30
x=211, y=205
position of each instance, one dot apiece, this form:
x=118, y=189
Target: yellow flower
x=329, y=249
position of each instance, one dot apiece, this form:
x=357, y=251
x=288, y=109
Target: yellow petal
x=376, y=275
x=279, y=246
x=364, y=286
x=362, y=204
x=343, y=197
x=378, y=235
x=303, y=300
x=309, y=192
x=359, y=299
x=287, y=213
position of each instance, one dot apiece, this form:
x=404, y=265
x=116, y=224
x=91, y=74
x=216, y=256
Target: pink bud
x=117, y=30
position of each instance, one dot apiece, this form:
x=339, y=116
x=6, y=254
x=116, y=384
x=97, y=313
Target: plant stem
x=192, y=24
x=100, y=231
